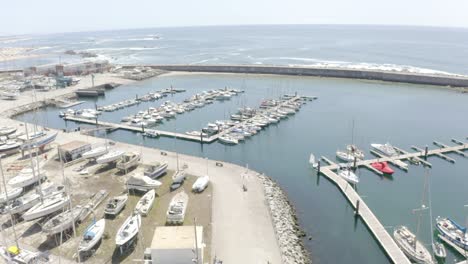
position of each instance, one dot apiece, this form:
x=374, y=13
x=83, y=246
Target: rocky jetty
x=285, y=223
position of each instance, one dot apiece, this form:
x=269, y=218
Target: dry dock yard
x=242, y=213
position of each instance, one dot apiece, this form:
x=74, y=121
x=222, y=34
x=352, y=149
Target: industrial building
x=73, y=150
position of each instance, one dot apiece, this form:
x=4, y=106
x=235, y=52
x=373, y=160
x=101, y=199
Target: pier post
x=357, y=208
x=201, y=138
x=354, y=164
x=318, y=168
x=96, y=121
x=143, y=128
x=425, y=152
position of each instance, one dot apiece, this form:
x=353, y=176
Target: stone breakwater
x=284, y=219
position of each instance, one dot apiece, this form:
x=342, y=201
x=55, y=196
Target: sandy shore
x=15, y=53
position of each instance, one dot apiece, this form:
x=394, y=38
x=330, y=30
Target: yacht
x=25, y=179
x=176, y=211
x=145, y=203
x=226, y=139
x=142, y=183
x=49, y=205
x=40, y=141
x=348, y=175
x=111, y=156
x=10, y=194
x=62, y=221
x=150, y=133
x=452, y=231
x=115, y=205
x=385, y=149
x=7, y=130
x=128, y=230
x=92, y=235
x=156, y=170
x=95, y=152
x=413, y=248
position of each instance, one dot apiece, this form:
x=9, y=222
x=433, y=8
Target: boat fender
x=163, y=153
x=219, y=164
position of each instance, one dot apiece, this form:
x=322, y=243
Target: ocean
x=382, y=112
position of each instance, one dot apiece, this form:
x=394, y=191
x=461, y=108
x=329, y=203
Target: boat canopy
x=463, y=229
x=14, y=250
x=89, y=234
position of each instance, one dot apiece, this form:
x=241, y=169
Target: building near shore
x=176, y=245
x=73, y=150
x=79, y=68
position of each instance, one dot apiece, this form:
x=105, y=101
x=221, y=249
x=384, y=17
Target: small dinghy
x=145, y=203
x=62, y=221
x=92, y=235
x=156, y=170
x=439, y=250
x=49, y=205
x=200, y=184
x=383, y=167
x=128, y=230
x=116, y=204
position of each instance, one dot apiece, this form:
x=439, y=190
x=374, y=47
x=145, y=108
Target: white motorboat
x=92, y=235
x=95, y=152
x=413, y=248
x=452, y=231
x=439, y=250
x=145, y=203
x=10, y=94
x=62, y=221
x=142, y=183
x=385, y=149
x=177, y=179
x=111, y=156
x=11, y=193
x=49, y=205
x=128, y=160
x=88, y=115
x=312, y=161
x=151, y=133
x=128, y=230
x=116, y=204
x=348, y=175
x=196, y=133
x=200, y=184
x=228, y=140
x=176, y=211
x=25, y=179
x=7, y=130
x=156, y=170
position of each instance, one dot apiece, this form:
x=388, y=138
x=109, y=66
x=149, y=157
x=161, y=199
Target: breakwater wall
x=388, y=76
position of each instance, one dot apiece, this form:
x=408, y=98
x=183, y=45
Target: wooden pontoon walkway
x=174, y=134
x=361, y=208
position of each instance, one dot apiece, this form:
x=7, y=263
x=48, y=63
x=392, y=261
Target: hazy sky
x=46, y=16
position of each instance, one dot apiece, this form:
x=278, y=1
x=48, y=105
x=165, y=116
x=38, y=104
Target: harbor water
x=401, y=114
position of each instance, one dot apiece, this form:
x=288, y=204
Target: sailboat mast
x=420, y=211
x=429, y=204
x=29, y=145
x=6, y=197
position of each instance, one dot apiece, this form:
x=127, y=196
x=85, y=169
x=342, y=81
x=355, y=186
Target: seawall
x=388, y=76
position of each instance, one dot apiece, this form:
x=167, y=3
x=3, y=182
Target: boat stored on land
x=145, y=203
x=95, y=152
x=128, y=160
x=62, y=221
x=176, y=211
x=142, y=183
x=11, y=193
x=128, y=230
x=14, y=254
x=116, y=204
x=25, y=179
x=49, y=205
x=92, y=235
x=200, y=184
x=111, y=156
x=156, y=170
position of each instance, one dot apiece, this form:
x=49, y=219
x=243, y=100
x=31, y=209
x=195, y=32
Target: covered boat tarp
x=89, y=234
x=14, y=250
x=463, y=229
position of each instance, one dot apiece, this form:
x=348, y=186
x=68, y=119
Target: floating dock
x=361, y=208
x=163, y=133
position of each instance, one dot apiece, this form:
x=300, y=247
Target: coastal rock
x=288, y=232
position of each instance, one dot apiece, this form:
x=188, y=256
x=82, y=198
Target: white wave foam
x=124, y=48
